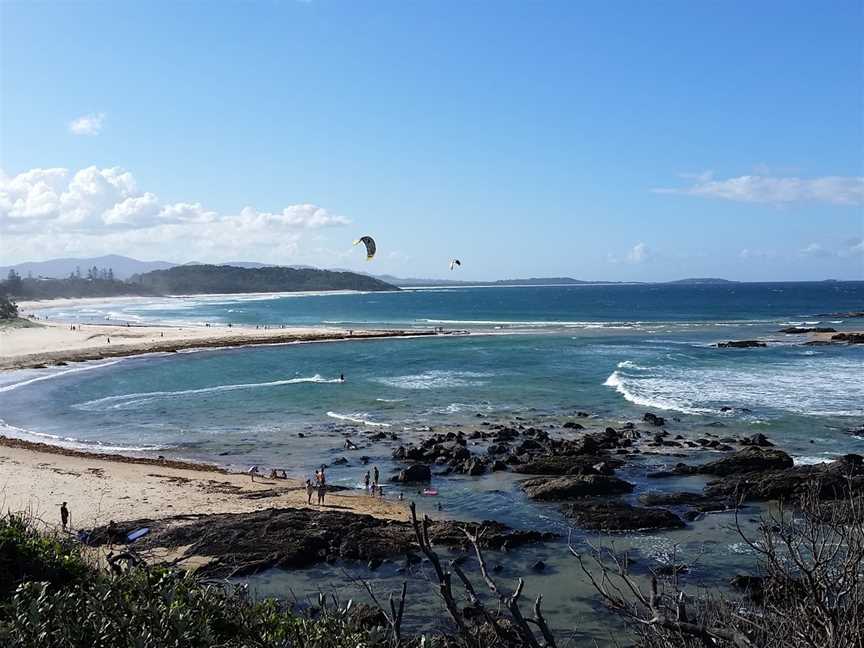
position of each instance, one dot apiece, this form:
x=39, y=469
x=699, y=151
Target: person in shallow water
x=375, y=474
x=309, y=490
x=366, y=481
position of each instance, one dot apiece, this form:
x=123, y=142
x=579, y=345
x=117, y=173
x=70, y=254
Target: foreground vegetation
x=809, y=593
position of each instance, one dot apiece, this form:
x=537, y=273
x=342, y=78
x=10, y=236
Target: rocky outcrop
x=829, y=481
x=245, y=543
x=574, y=486
x=569, y=465
x=741, y=344
x=619, y=516
x=750, y=459
x=794, y=330
x=851, y=338
x=414, y=474
x=757, y=439
x=696, y=504
x=653, y=419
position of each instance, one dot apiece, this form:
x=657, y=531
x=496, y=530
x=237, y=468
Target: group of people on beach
x=370, y=481
x=320, y=486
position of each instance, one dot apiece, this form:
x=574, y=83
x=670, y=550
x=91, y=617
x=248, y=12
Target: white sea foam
x=813, y=460
x=436, y=379
x=125, y=401
x=71, y=442
x=358, y=417
x=58, y=374
x=811, y=385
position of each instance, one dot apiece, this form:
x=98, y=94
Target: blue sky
x=599, y=140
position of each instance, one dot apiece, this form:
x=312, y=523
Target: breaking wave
x=124, y=401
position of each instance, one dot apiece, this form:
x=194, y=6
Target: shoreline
x=51, y=343
x=37, y=477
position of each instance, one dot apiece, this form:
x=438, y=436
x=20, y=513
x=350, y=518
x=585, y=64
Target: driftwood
x=518, y=634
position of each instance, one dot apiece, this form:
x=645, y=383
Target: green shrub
x=30, y=555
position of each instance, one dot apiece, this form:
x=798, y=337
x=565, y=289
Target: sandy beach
x=47, y=343
x=98, y=488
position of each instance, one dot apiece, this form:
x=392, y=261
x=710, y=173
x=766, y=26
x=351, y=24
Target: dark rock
x=538, y=566
x=341, y=461
x=653, y=419
x=568, y=465
x=569, y=487
x=851, y=338
x=618, y=516
x=829, y=481
x=741, y=344
x=415, y=473
x=572, y=425
x=750, y=459
x=498, y=465
x=757, y=439
x=801, y=329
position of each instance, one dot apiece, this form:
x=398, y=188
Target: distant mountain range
x=125, y=267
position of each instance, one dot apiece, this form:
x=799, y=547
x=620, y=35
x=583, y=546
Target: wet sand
x=37, y=478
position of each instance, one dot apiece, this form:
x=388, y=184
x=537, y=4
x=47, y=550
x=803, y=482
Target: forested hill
x=196, y=279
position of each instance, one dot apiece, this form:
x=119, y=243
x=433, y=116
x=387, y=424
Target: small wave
x=89, y=367
x=629, y=364
x=357, y=418
x=73, y=443
x=127, y=400
x=391, y=400
x=436, y=379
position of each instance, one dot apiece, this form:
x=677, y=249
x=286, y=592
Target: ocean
x=535, y=355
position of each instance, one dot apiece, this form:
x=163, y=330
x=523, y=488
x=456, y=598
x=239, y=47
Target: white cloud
x=816, y=250
x=46, y=212
x=854, y=247
x=87, y=124
x=638, y=253
x=835, y=190
x=749, y=253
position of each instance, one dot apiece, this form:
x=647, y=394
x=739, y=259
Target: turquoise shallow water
x=535, y=354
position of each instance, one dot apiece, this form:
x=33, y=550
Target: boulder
x=568, y=465
x=653, y=419
x=574, y=486
x=757, y=439
x=573, y=425
x=808, y=329
x=618, y=516
x=750, y=459
x=741, y=344
x=415, y=473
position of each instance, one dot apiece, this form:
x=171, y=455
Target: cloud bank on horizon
x=51, y=212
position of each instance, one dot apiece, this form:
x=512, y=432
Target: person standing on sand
x=252, y=471
x=309, y=490
x=64, y=515
x=322, y=491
